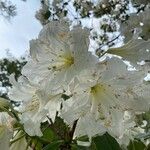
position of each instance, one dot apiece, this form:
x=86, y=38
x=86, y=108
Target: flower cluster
x=102, y=96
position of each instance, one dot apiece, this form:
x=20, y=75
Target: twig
x=111, y=41
x=71, y=133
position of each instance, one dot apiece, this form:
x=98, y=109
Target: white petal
x=134, y=51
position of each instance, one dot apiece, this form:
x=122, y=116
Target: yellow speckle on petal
x=107, y=123
x=63, y=62
x=33, y=105
x=69, y=61
x=62, y=35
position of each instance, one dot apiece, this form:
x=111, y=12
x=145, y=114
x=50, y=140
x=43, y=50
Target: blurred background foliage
x=9, y=66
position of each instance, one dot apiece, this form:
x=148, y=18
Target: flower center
x=98, y=100
x=69, y=61
x=62, y=62
x=98, y=88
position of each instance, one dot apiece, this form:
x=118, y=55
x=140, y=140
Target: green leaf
x=53, y=146
x=49, y=135
x=105, y=142
x=136, y=145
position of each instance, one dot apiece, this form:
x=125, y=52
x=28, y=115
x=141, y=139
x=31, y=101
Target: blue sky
x=15, y=35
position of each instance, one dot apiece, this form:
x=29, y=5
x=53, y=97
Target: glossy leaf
x=105, y=142
x=136, y=145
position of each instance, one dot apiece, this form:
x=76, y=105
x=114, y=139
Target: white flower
x=36, y=105
x=87, y=125
x=5, y=130
x=137, y=25
x=124, y=128
x=99, y=96
x=75, y=109
x=136, y=50
x=59, y=54
x=142, y=90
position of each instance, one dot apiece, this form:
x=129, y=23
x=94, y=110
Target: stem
x=102, y=54
x=17, y=138
x=113, y=40
x=14, y=113
x=72, y=131
x=50, y=120
x=28, y=145
x=69, y=137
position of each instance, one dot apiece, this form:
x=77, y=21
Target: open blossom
x=98, y=96
x=36, y=104
x=59, y=54
x=136, y=50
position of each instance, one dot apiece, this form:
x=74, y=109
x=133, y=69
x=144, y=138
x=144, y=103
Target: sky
x=16, y=33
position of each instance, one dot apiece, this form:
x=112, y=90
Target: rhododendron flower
x=58, y=55
x=99, y=95
x=36, y=104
